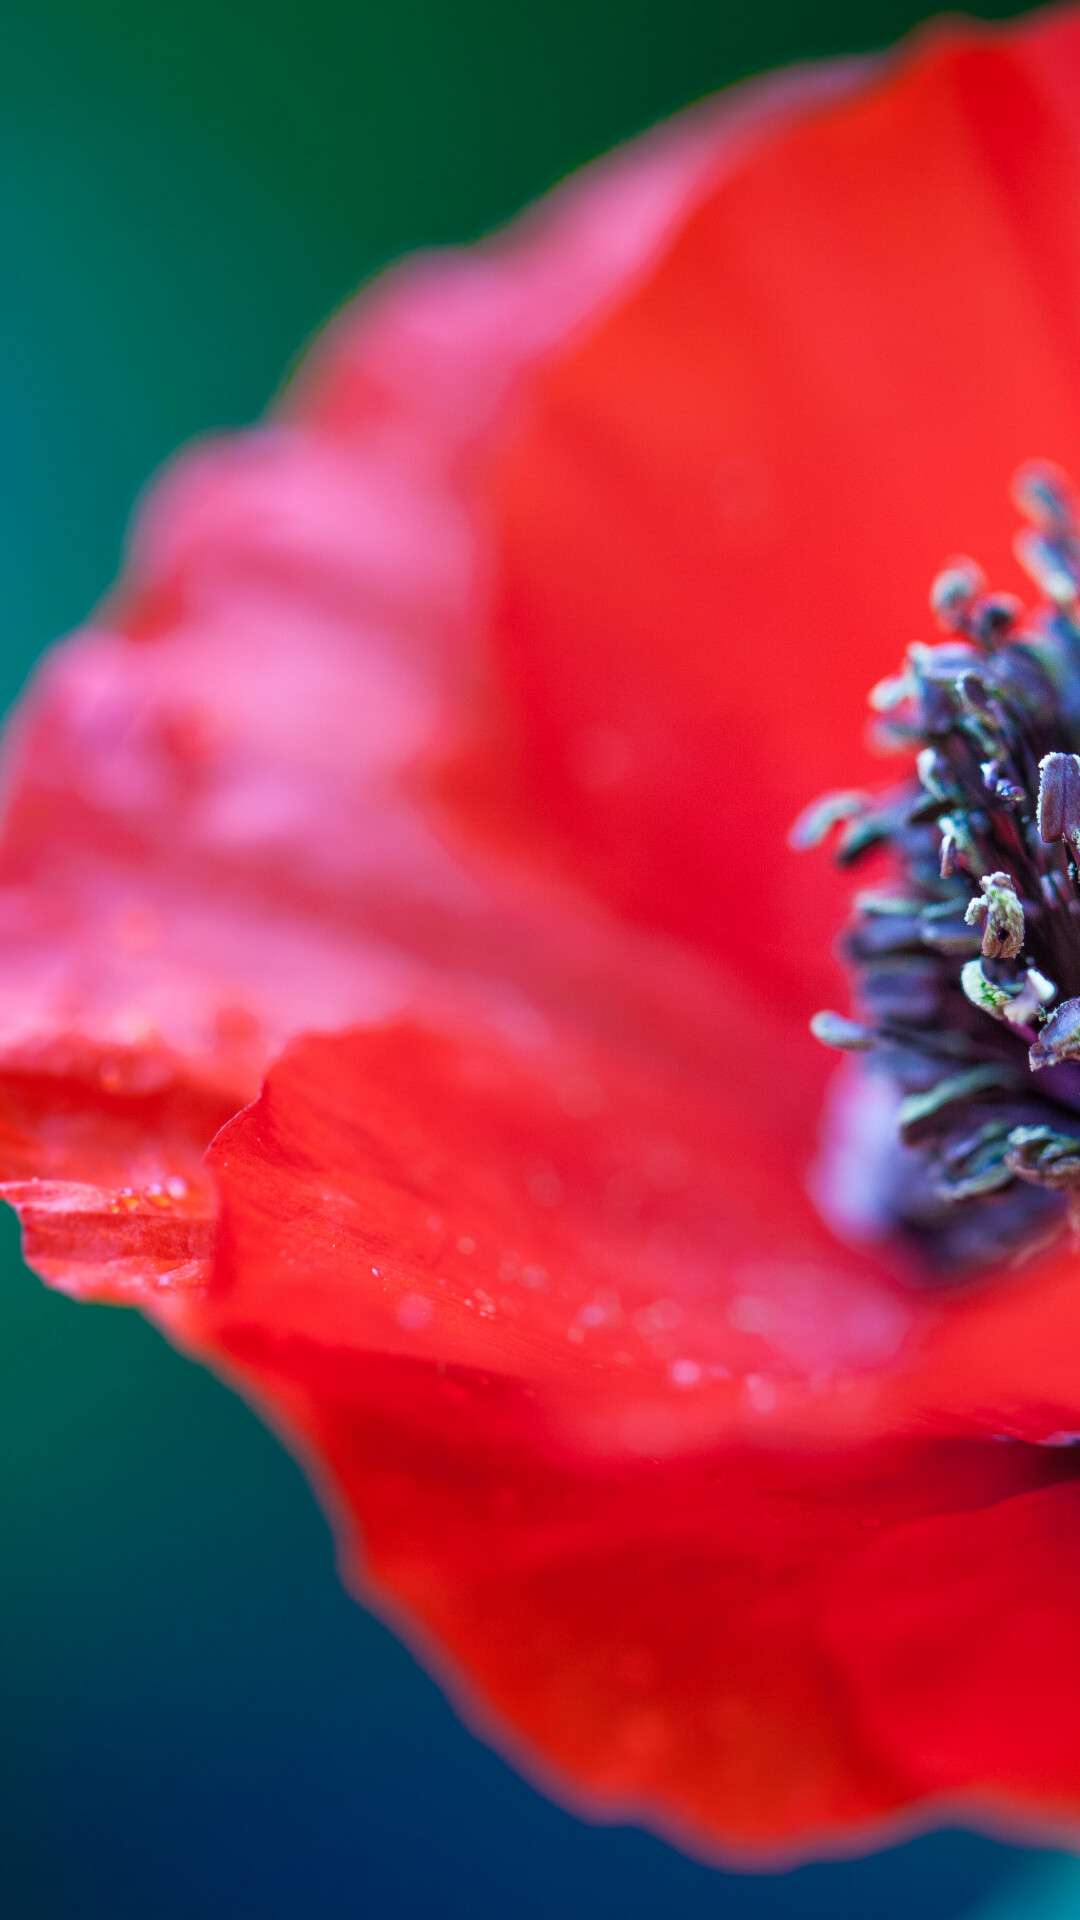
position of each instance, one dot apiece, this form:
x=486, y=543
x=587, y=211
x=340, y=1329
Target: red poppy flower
x=435, y=760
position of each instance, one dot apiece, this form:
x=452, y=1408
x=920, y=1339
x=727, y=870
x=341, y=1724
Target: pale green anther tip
x=1059, y=1040
x=850, y=1036
x=981, y=991
x=1043, y=564
x=892, y=904
x=917, y=1108
x=1016, y=1004
x=1045, y=495
x=1044, y=1157
x=817, y=821
x=1000, y=915
x=890, y=693
x=954, y=590
x=957, y=840
x=926, y=766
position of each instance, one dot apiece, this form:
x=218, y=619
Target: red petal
x=623, y=1233
x=206, y=842
x=725, y=506
x=505, y=1307
x=102, y=1158
x=959, y=1636
x=1004, y=1360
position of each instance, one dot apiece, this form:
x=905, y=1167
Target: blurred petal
x=517, y=1403
x=959, y=1637
x=207, y=841
x=627, y=1238
x=723, y=508
x=457, y=718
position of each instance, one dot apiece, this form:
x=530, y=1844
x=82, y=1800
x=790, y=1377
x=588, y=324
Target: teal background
x=196, y=1723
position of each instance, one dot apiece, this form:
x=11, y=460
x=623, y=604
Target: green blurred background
x=196, y=1724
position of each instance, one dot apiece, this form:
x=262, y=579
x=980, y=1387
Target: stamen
x=955, y=593
x=1059, y=799
x=849, y=1036
x=1048, y=550
x=817, y=821
x=956, y=964
x=1059, y=1039
x=1000, y=915
x=1017, y=1000
x=1046, y=1158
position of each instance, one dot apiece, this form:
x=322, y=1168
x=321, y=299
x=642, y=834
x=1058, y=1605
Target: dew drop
x=413, y=1313
x=543, y=1184
x=761, y=1393
x=684, y=1373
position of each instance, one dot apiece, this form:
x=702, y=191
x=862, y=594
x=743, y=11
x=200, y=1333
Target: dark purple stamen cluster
x=967, y=968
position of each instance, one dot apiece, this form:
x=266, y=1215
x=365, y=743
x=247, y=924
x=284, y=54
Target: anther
x=891, y=692
x=955, y=592
x=1059, y=798
x=959, y=850
x=994, y=617
x=1044, y=495
x=817, y=821
x=1060, y=1038
x=1052, y=568
x=1049, y=550
x=1000, y=916
x=919, y=1111
x=849, y=1036
x=932, y=772
x=1043, y=1156
x=1017, y=1002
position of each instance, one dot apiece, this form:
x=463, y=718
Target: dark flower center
x=967, y=964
